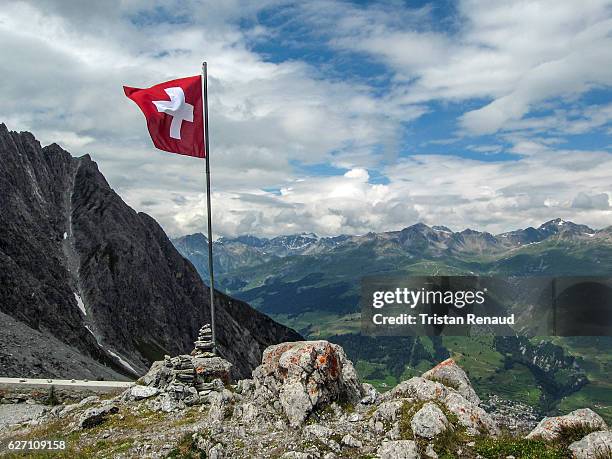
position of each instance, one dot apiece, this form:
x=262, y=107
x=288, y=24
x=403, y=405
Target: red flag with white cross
x=177, y=119
x=174, y=115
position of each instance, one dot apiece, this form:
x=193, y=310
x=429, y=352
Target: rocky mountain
x=80, y=267
x=246, y=251
x=419, y=240
x=305, y=401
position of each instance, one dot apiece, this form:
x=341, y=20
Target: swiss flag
x=174, y=114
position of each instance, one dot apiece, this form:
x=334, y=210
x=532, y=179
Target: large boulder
x=550, y=429
x=452, y=375
x=595, y=445
x=475, y=420
x=306, y=375
x=97, y=415
x=429, y=421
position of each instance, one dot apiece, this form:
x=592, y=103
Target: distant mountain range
x=91, y=288
x=467, y=251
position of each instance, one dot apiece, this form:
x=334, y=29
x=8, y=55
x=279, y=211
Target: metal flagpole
x=210, y=239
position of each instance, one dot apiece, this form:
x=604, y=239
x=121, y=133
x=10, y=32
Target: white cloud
x=515, y=54
x=63, y=68
x=595, y=201
x=435, y=189
x=63, y=64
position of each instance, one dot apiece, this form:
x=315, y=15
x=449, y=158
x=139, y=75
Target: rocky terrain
x=90, y=288
x=303, y=401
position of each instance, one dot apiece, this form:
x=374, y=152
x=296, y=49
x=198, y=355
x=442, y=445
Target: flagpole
x=210, y=239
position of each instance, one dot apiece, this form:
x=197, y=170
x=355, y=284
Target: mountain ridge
x=79, y=265
x=249, y=250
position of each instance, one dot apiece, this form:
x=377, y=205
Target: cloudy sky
x=331, y=116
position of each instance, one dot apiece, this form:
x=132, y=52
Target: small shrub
x=52, y=397
x=186, y=449
x=570, y=434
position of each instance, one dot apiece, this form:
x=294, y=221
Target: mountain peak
x=420, y=226
x=554, y=222
x=558, y=225
x=442, y=229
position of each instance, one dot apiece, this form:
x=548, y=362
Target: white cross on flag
x=174, y=114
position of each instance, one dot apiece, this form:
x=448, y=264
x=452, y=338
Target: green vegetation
x=571, y=433
x=52, y=397
x=495, y=448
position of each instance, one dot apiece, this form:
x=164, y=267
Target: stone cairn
x=190, y=379
x=204, y=346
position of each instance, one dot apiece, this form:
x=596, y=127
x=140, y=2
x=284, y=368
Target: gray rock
x=90, y=399
x=247, y=412
x=159, y=374
x=306, y=375
x=296, y=403
x=351, y=442
x=595, y=445
x=371, y=396
x=398, y=449
x=19, y=413
x=323, y=434
x=475, y=419
x=452, y=375
x=138, y=392
x=549, y=428
x=296, y=455
x=430, y=452
x=168, y=403
x=56, y=410
x=245, y=387
x=318, y=431
x=66, y=410
x=429, y=421
x=387, y=412
x=394, y=433
x=97, y=415
x=219, y=406
x=216, y=452
x=210, y=368
x=190, y=396
x=472, y=417
x=419, y=389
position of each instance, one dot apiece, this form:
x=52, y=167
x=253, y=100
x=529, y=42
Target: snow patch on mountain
x=80, y=303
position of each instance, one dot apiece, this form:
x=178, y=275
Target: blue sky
x=332, y=116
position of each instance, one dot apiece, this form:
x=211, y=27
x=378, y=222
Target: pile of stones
x=187, y=380
x=204, y=345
